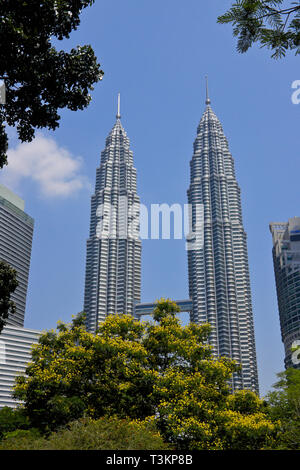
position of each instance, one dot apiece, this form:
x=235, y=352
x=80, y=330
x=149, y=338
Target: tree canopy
x=271, y=23
x=40, y=79
x=8, y=284
x=284, y=404
x=160, y=373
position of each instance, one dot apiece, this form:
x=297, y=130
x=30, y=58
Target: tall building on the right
x=219, y=282
x=286, y=258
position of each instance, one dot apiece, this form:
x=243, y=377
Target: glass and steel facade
x=219, y=283
x=286, y=258
x=16, y=232
x=113, y=263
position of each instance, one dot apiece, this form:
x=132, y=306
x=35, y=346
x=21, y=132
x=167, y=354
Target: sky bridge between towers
x=147, y=308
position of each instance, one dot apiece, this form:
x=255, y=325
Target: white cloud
x=54, y=169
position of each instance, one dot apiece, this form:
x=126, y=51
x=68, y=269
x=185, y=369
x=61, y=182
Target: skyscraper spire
x=118, y=116
x=207, y=94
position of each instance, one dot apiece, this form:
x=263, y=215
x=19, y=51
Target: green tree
x=39, y=79
x=284, y=404
x=160, y=372
x=194, y=406
x=271, y=23
x=75, y=373
x=8, y=284
x=12, y=420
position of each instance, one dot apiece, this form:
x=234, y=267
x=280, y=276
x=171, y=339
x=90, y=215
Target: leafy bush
x=87, y=434
x=12, y=419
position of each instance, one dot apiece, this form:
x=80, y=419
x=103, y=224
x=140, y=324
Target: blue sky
x=156, y=54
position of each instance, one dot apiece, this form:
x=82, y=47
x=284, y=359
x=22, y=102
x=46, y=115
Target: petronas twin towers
x=113, y=264
x=219, y=284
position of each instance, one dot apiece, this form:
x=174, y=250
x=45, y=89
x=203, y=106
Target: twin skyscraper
x=113, y=263
x=219, y=284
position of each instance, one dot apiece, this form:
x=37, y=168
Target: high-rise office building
x=219, y=283
x=15, y=353
x=16, y=232
x=286, y=258
x=113, y=263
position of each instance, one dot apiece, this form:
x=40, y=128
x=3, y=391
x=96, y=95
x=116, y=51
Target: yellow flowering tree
x=74, y=373
x=158, y=372
x=195, y=407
